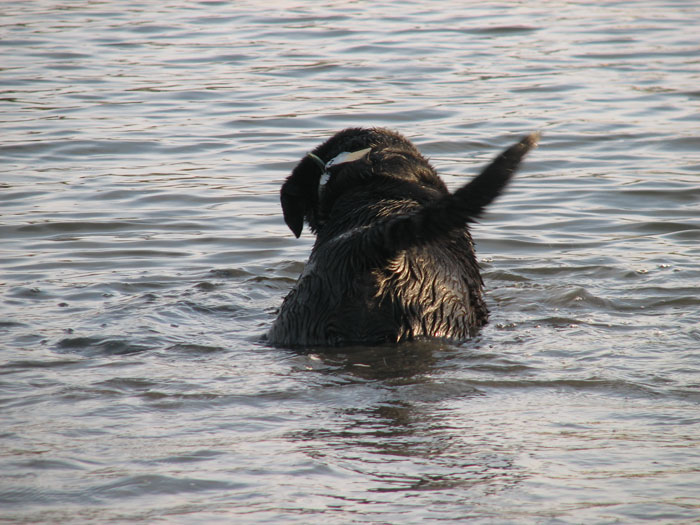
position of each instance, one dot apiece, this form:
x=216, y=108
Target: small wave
x=576, y=296
x=157, y=484
x=195, y=348
x=100, y=346
x=616, y=386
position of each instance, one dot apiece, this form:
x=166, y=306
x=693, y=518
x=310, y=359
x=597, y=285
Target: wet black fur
x=393, y=258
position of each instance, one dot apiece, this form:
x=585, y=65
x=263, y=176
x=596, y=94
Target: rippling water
x=144, y=252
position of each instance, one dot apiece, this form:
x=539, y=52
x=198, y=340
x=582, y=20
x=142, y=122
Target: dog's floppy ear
x=299, y=194
x=292, y=206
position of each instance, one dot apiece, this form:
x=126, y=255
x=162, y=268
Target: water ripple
x=144, y=255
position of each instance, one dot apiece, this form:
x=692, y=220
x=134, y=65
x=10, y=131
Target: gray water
x=144, y=253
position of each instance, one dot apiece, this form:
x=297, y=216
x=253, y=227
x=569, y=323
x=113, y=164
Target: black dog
x=393, y=259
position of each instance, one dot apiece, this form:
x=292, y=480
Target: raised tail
x=470, y=201
x=441, y=217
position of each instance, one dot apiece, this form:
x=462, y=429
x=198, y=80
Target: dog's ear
x=292, y=206
x=299, y=194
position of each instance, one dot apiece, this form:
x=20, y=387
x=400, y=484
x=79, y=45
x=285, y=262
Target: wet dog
x=393, y=259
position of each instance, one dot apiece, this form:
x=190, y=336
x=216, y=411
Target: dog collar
x=341, y=158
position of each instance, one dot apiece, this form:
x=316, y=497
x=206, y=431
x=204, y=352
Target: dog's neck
x=342, y=158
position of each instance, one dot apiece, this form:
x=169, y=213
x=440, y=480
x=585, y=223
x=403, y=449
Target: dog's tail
x=470, y=200
x=453, y=211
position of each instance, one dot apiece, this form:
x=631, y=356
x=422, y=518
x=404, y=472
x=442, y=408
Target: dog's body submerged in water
x=393, y=259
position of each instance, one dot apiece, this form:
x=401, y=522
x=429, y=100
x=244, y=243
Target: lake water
x=144, y=253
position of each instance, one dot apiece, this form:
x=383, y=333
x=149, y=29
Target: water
x=144, y=252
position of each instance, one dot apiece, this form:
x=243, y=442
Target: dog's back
x=393, y=259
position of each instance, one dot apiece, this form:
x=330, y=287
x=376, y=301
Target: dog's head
x=349, y=161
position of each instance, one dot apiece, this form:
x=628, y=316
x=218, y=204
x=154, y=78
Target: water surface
x=144, y=253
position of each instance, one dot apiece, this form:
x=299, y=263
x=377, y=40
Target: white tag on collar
x=341, y=158
x=347, y=156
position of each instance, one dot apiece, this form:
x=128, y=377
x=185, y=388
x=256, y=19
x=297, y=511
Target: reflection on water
x=406, y=442
x=144, y=254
